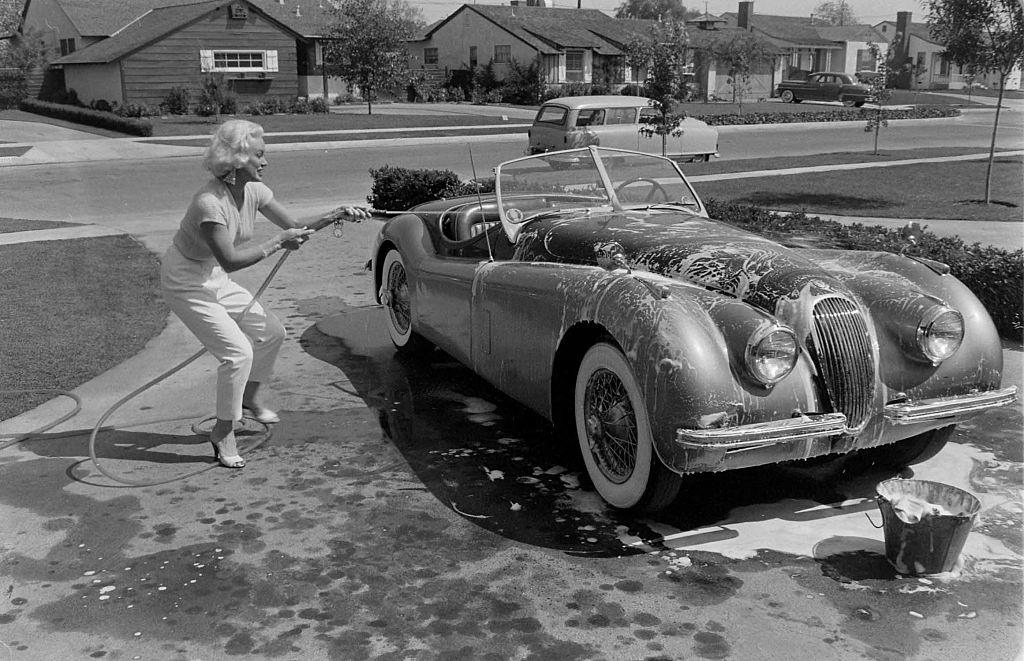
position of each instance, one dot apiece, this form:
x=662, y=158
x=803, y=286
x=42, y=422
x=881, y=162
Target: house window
x=239, y=10
x=865, y=60
x=472, y=57
x=502, y=54
x=430, y=57
x=233, y=61
x=574, y=65
x=67, y=46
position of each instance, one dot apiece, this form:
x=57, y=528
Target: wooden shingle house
x=135, y=51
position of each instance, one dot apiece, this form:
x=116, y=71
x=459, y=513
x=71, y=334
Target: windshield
x=589, y=178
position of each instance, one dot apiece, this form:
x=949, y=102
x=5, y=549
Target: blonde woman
x=213, y=240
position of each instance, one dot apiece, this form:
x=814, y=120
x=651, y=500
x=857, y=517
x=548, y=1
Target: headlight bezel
x=924, y=334
x=751, y=356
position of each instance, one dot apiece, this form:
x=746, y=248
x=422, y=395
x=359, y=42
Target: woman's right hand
x=291, y=239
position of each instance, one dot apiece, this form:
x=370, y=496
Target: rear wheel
x=848, y=102
x=701, y=158
x=787, y=96
x=394, y=295
x=614, y=434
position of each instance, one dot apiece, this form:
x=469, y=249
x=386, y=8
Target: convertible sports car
x=666, y=343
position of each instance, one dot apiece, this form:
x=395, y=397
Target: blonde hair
x=231, y=146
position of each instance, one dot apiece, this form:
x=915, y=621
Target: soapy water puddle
x=503, y=467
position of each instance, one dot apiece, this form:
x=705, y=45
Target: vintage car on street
x=825, y=86
x=665, y=343
x=615, y=121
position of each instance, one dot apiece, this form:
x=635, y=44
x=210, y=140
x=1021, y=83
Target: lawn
x=102, y=309
x=953, y=190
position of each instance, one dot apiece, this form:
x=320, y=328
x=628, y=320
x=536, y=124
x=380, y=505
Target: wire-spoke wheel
x=614, y=434
x=787, y=96
x=394, y=295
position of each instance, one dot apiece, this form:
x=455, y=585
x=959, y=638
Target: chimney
x=743, y=16
x=901, y=39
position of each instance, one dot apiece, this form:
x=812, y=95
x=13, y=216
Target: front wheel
x=787, y=96
x=395, y=296
x=614, y=434
x=914, y=450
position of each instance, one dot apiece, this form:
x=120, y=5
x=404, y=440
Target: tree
x=10, y=16
x=984, y=35
x=835, y=12
x=366, y=44
x=880, y=90
x=664, y=56
x=740, y=52
x=655, y=10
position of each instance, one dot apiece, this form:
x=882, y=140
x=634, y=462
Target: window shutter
x=270, y=60
x=206, y=61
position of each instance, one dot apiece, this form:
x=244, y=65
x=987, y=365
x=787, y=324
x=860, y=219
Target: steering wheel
x=656, y=188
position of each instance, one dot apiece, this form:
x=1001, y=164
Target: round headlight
x=771, y=354
x=939, y=333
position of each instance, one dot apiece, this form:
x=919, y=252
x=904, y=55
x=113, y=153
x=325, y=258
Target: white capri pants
x=208, y=302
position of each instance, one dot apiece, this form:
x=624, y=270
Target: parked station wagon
x=615, y=121
x=663, y=343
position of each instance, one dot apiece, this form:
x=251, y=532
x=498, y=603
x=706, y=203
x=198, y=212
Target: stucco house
x=809, y=46
x=135, y=51
x=922, y=65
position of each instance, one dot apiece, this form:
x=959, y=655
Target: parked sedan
x=825, y=87
x=665, y=343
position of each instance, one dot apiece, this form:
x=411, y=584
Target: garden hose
x=334, y=217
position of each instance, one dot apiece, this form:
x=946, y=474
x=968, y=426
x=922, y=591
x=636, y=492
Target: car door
x=549, y=128
x=828, y=90
x=619, y=129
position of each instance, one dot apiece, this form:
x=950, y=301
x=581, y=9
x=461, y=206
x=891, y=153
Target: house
x=921, y=64
x=572, y=45
x=135, y=51
x=809, y=46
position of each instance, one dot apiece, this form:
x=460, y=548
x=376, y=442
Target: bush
x=398, y=189
x=268, y=105
x=13, y=88
x=575, y=89
x=632, y=89
x=88, y=116
x=216, y=98
x=304, y=106
x=102, y=105
x=131, y=110
x=994, y=275
x=176, y=102
x=524, y=84
x=837, y=115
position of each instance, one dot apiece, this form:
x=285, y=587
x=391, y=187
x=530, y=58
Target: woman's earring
x=229, y=178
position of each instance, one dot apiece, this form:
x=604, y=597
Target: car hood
x=684, y=247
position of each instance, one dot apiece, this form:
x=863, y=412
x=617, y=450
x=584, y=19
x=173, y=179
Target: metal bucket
x=931, y=541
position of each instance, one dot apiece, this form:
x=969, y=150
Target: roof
x=787, y=30
x=549, y=30
x=148, y=28
x=102, y=18
x=921, y=31
x=850, y=33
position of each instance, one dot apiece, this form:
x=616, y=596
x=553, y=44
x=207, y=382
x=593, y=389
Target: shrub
x=88, y=116
x=994, y=275
x=176, y=102
x=101, y=105
x=575, y=89
x=524, y=84
x=131, y=110
x=215, y=97
x=398, y=189
x=13, y=87
x=268, y=105
x=632, y=89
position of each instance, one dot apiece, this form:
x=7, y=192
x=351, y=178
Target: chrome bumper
x=923, y=410
x=762, y=434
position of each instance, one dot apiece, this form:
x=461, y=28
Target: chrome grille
x=841, y=348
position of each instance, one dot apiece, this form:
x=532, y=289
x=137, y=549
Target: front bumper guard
x=938, y=408
x=763, y=433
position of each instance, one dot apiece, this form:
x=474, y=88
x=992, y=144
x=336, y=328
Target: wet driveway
x=404, y=509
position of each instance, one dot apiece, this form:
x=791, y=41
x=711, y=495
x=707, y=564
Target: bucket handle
x=872, y=522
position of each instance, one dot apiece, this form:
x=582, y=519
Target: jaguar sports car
x=665, y=343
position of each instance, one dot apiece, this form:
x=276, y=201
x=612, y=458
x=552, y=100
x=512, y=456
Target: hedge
x=89, y=117
x=996, y=276
x=837, y=115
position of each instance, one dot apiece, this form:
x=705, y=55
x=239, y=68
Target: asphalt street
x=405, y=509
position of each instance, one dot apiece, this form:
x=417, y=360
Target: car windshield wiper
x=549, y=213
x=667, y=206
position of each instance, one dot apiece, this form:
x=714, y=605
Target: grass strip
x=70, y=310
x=946, y=191
x=9, y=225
